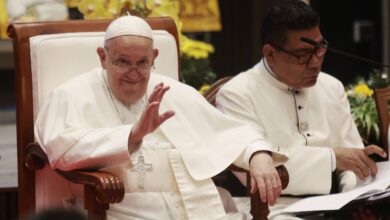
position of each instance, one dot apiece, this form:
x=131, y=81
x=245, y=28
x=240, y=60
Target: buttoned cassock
x=303, y=124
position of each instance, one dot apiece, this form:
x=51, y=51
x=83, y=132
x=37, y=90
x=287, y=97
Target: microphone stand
x=316, y=44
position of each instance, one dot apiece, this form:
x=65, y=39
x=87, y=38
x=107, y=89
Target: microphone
x=317, y=44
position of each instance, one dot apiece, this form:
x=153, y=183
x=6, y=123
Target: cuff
x=333, y=159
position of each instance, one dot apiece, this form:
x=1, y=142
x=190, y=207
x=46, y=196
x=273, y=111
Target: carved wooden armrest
x=107, y=187
x=35, y=157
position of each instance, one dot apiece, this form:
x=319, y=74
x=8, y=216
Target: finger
x=166, y=115
x=364, y=168
x=278, y=179
x=370, y=164
x=149, y=115
x=262, y=189
x=151, y=108
x=153, y=96
x=270, y=190
x=277, y=187
x=356, y=169
x=253, y=185
x=373, y=149
x=161, y=93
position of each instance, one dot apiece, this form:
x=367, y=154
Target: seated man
x=109, y=119
x=300, y=110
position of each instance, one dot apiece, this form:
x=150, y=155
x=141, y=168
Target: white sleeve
x=258, y=145
x=70, y=145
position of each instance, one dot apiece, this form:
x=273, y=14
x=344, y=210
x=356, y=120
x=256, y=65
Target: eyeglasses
x=319, y=51
x=124, y=66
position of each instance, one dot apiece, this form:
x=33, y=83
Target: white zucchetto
x=128, y=25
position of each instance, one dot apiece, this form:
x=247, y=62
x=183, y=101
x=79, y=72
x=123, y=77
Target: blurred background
x=218, y=38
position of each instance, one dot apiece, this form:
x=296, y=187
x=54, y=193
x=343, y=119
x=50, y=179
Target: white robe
x=304, y=125
x=81, y=126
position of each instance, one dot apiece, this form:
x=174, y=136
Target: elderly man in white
x=109, y=119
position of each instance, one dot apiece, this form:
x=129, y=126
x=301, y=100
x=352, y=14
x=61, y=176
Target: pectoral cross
x=141, y=168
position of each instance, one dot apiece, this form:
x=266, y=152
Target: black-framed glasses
x=123, y=66
x=319, y=51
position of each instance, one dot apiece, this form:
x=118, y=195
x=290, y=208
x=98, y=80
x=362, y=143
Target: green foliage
x=362, y=103
x=365, y=116
x=196, y=72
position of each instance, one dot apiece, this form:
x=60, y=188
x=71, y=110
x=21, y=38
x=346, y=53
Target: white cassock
x=303, y=124
x=82, y=125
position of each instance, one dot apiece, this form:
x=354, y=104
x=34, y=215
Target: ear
x=268, y=53
x=155, y=54
x=102, y=56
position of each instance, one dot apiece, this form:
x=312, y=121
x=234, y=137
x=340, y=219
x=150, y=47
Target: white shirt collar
x=273, y=78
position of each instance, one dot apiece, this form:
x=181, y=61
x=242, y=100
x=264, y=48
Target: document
x=336, y=201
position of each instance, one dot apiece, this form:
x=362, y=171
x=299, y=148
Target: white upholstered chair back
x=52, y=59
x=56, y=58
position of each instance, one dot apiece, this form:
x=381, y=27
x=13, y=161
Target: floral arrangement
x=362, y=104
x=195, y=65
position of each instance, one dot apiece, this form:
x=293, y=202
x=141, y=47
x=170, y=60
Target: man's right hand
x=150, y=118
x=357, y=160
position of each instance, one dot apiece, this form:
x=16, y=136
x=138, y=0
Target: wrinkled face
x=128, y=61
x=286, y=61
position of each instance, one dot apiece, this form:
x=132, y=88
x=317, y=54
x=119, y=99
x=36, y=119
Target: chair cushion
x=56, y=58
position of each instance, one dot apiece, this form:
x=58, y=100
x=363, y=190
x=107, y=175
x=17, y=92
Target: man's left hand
x=265, y=178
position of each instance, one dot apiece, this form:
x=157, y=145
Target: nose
x=315, y=62
x=133, y=72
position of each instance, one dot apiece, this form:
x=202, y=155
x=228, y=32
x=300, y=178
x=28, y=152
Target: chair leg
x=95, y=210
x=259, y=209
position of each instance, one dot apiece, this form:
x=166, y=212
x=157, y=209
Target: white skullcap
x=128, y=25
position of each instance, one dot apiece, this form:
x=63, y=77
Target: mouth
x=313, y=74
x=132, y=82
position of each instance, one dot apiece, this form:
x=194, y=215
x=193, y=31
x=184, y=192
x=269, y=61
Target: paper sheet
x=336, y=201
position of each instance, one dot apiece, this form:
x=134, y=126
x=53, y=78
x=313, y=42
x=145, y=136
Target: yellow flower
x=204, y=88
x=196, y=49
x=363, y=90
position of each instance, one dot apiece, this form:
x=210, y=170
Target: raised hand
x=150, y=118
x=357, y=160
x=265, y=178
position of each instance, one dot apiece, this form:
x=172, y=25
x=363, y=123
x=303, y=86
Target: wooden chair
x=259, y=210
x=382, y=101
x=100, y=188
